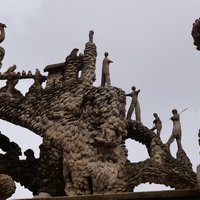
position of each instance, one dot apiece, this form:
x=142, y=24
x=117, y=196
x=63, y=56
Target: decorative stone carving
x=134, y=105
x=176, y=132
x=84, y=131
x=157, y=124
x=7, y=186
x=2, y=37
x=196, y=33
x=105, y=78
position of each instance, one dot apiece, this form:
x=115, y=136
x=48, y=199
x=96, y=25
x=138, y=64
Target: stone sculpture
x=84, y=131
x=157, y=124
x=134, y=105
x=2, y=37
x=196, y=36
x=199, y=137
x=196, y=33
x=105, y=78
x=176, y=132
x=7, y=186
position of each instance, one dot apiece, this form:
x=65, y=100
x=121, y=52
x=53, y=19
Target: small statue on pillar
x=105, y=79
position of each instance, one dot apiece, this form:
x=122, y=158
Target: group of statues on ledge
x=135, y=106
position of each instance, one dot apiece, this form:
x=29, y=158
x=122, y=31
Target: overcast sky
x=149, y=42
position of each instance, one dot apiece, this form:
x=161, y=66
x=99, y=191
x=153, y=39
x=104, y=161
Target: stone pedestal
x=158, y=195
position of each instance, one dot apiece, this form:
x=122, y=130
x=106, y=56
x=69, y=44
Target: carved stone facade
x=84, y=131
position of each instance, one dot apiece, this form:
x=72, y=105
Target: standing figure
x=2, y=37
x=157, y=124
x=134, y=105
x=105, y=70
x=176, y=131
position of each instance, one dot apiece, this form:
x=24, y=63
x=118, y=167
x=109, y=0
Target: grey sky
x=149, y=41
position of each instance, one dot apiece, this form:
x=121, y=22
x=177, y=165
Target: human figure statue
x=105, y=79
x=157, y=124
x=29, y=153
x=2, y=37
x=176, y=131
x=134, y=105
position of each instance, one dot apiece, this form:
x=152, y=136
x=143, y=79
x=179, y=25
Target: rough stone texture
x=164, y=195
x=7, y=186
x=84, y=131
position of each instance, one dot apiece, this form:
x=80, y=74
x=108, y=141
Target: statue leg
x=171, y=139
x=137, y=112
x=103, y=80
x=179, y=145
x=130, y=112
x=108, y=80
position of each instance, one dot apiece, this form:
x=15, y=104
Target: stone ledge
x=164, y=195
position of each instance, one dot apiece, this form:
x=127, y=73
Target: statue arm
x=130, y=94
x=137, y=92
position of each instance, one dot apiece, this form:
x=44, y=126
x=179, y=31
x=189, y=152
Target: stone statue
x=105, y=79
x=2, y=32
x=157, y=124
x=134, y=105
x=176, y=131
x=91, y=33
x=196, y=33
x=12, y=80
x=84, y=129
x=2, y=37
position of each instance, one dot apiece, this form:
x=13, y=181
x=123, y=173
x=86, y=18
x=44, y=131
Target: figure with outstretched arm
x=134, y=105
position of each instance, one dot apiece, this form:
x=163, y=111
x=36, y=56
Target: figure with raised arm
x=105, y=79
x=176, y=131
x=134, y=105
x=157, y=124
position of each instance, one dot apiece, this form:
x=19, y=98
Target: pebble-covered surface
x=7, y=186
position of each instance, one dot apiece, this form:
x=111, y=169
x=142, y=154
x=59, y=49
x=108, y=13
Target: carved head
x=155, y=114
x=106, y=54
x=133, y=88
x=174, y=111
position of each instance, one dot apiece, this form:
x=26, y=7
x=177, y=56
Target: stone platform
x=157, y=195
